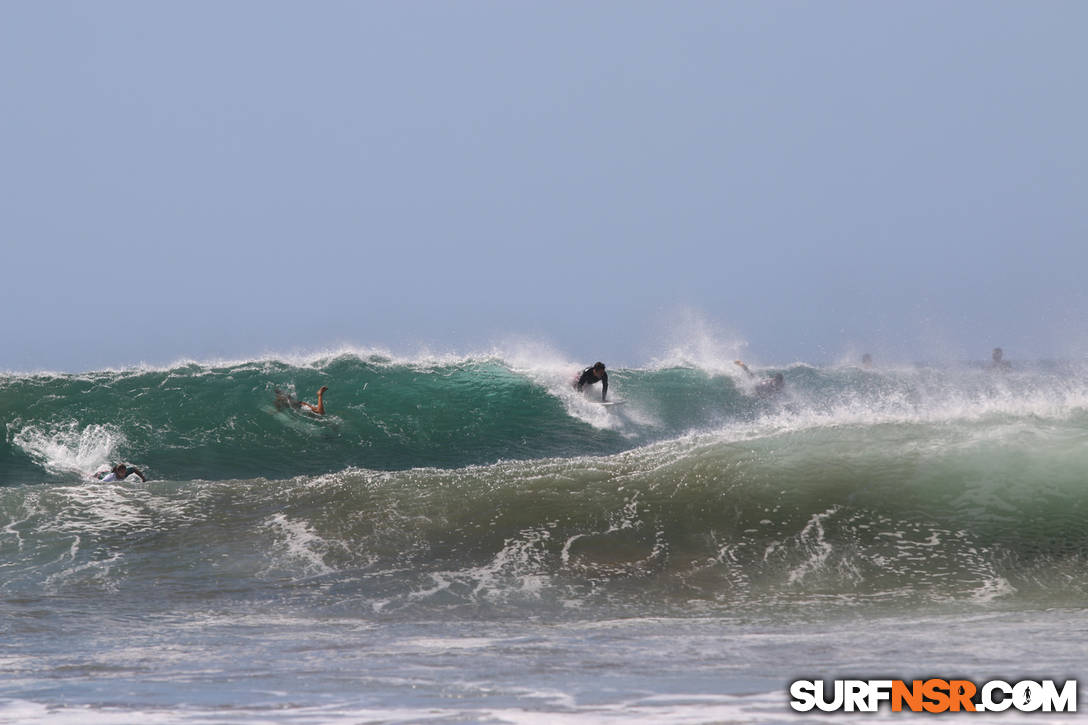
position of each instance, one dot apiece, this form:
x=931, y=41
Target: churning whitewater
x=469, y=485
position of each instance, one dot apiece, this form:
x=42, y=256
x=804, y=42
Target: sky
x=796, y=180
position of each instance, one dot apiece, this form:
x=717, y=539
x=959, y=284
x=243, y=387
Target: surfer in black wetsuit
x=591, y=375
x=119, y=473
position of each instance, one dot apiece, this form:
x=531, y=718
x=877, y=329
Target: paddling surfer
x=119, y=473
x=319, y=409
x=285, y=400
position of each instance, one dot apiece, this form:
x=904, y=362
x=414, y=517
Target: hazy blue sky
x=223, y=179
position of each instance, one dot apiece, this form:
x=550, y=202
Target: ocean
x=467, y=539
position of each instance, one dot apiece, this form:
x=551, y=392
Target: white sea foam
x=70, y=448
x=297, y=542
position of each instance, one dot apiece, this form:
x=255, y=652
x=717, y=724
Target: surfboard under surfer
x=591, y=376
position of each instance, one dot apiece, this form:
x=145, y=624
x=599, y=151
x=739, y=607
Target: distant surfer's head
x=120, y=470
x=998, y=354
x=598, y=369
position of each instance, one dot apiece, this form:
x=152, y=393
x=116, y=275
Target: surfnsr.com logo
x=933, y=695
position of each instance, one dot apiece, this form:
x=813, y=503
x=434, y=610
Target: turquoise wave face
x=200, y=422
x=213, y=423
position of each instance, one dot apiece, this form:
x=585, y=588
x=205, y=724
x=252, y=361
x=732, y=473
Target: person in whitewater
x=998, y=360
x=768, y=386
x=590, y=376
x=119, y=473
x=284, y=400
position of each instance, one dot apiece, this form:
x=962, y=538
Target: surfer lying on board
x=767, y=386
x=119, y=473
x=284, y=400
x=591, y=375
